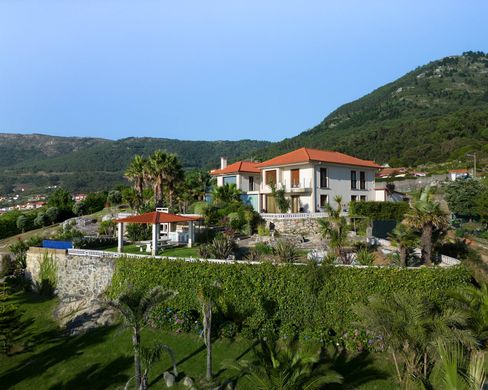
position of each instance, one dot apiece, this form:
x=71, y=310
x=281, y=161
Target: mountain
x=437, y=112
x=89, y=164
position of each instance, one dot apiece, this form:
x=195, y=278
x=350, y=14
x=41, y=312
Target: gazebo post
x=120, y=237
x=191, y=234
x=155, y=238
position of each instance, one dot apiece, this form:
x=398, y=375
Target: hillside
x=435, y=113
x=89, y=164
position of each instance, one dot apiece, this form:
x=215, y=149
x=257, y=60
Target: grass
x=182, y=251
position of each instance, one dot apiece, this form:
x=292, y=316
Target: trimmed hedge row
x=289, y=299
x=379, y=211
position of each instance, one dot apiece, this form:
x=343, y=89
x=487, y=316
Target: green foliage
x=365, y=257
x=138, y=232
x=278, y=298
x=107, y=228
x=282, y=202
x=114, y=197
x=22, y=223
x=462, y=196
x=94, y=242
x=62, y=200
x=285, y=251
x=53, y=214
x=93, y=203
x=263, y=230
x=379, y=211
x=42, y=219
x=19, y=251
x=10, y=324
x=221, y=247
x=47, y=276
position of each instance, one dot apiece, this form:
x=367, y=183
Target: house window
x=353, y=198
x=363, y=198
x=353, y=180
x=324, y=182
x=229, y=180
x=270, y=177
x=295, y=178
x=324, y=199
x=251, y=183
x=362, y=180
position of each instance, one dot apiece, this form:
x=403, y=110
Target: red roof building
x=237, y=167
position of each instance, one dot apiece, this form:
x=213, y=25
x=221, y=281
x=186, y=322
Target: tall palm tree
x=136, y=173
x=208, y=295
x=155, y=170
x=136, y=306
x=426, y=215
x=173, y=174
x=284, y=367
x=336, y=229
x=403, y=237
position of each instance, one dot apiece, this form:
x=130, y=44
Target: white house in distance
x=310, y=177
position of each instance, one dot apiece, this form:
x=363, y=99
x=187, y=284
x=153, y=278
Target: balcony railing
x=303, y=185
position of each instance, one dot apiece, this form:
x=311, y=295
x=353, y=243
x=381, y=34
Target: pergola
x=156, y=218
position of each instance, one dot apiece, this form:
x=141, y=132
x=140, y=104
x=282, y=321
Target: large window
x=251, y=183
x=354, y=184
x=324, y=181
x=354, y=198
x=229, y=180
x=270, y=177
x=362, y=180
x=295, y=178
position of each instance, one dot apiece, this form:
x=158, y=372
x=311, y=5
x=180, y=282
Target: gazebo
x=156, y=219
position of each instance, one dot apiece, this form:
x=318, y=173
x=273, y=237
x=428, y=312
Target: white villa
x=310, y=177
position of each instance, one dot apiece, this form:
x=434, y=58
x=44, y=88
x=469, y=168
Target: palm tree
x=411, y=329
x=226, y=193
x=474, y=302
x=426, y=215
x=455, y=370
x=136, y=173
x=173, y=174
x=155, y=171
x=336, y=229
x=403, y=237
x=208, y=294
x=136, y=306
x=284, y=367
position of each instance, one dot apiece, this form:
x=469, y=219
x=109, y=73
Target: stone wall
x=308, y=227
x=80, y=286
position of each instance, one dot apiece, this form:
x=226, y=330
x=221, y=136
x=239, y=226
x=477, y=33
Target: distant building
x=455, y=174
x=79, y=197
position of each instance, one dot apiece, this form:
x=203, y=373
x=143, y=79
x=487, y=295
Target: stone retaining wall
x=308, y=227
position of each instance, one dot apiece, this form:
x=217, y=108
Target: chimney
x=223, y=162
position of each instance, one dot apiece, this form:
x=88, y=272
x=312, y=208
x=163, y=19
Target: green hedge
x=379, y=211
x=288, y=299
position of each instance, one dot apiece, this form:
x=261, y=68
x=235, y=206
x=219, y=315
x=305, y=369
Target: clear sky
x=211, y=70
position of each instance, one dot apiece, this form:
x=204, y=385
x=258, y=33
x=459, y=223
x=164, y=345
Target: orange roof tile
x=463, y=170
x=304, y=155
x=156, y=217
x=239, y=166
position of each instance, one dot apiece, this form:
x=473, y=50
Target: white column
x=191, y=234
x=155, y=239
x=120, y=237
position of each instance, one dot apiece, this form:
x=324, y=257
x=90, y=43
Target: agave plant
x=221, y=247
x=285, y=251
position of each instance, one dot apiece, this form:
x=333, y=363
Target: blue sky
x=212, y=69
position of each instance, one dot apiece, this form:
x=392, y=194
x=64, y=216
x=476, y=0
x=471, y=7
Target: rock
x=228, y=385
x=169, y=379
x=187, y=382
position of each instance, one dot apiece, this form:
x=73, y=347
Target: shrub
x=107, y=228
x=221, y=247
x=379, y=211
x=266, y=296
x=263, y=230
x=47, y=276
x=285, y=251
x=138, y=232
x=365, y=257
x=94, y=242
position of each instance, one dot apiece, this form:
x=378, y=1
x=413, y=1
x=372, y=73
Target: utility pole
x=474, y=163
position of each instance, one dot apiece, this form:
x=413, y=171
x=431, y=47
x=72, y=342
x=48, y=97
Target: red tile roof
x=464, y=170
x=304, y=155
x=156, y=217
x=239, y=166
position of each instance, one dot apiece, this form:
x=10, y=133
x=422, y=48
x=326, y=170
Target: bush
x=47, y=276
x=263, y=230
x=285, y=251
x=221, y=247
x=365, y=257
x=273, y=297
x=379, y=211
x=138, y=232
x=94, y=242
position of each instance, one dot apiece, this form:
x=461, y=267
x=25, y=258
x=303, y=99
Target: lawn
x=182, y=251
x=102, y=358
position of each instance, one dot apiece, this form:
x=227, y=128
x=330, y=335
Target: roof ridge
x=306, y=152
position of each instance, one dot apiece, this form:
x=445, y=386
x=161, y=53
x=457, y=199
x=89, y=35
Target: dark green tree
x=63, y=200
x=462, y=197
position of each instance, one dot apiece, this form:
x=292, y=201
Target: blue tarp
x=52, y=244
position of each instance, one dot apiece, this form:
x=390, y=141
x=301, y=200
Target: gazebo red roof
x=156, y=217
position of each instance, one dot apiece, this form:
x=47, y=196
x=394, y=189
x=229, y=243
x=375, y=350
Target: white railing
x=100, y=254
x=293, y=215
